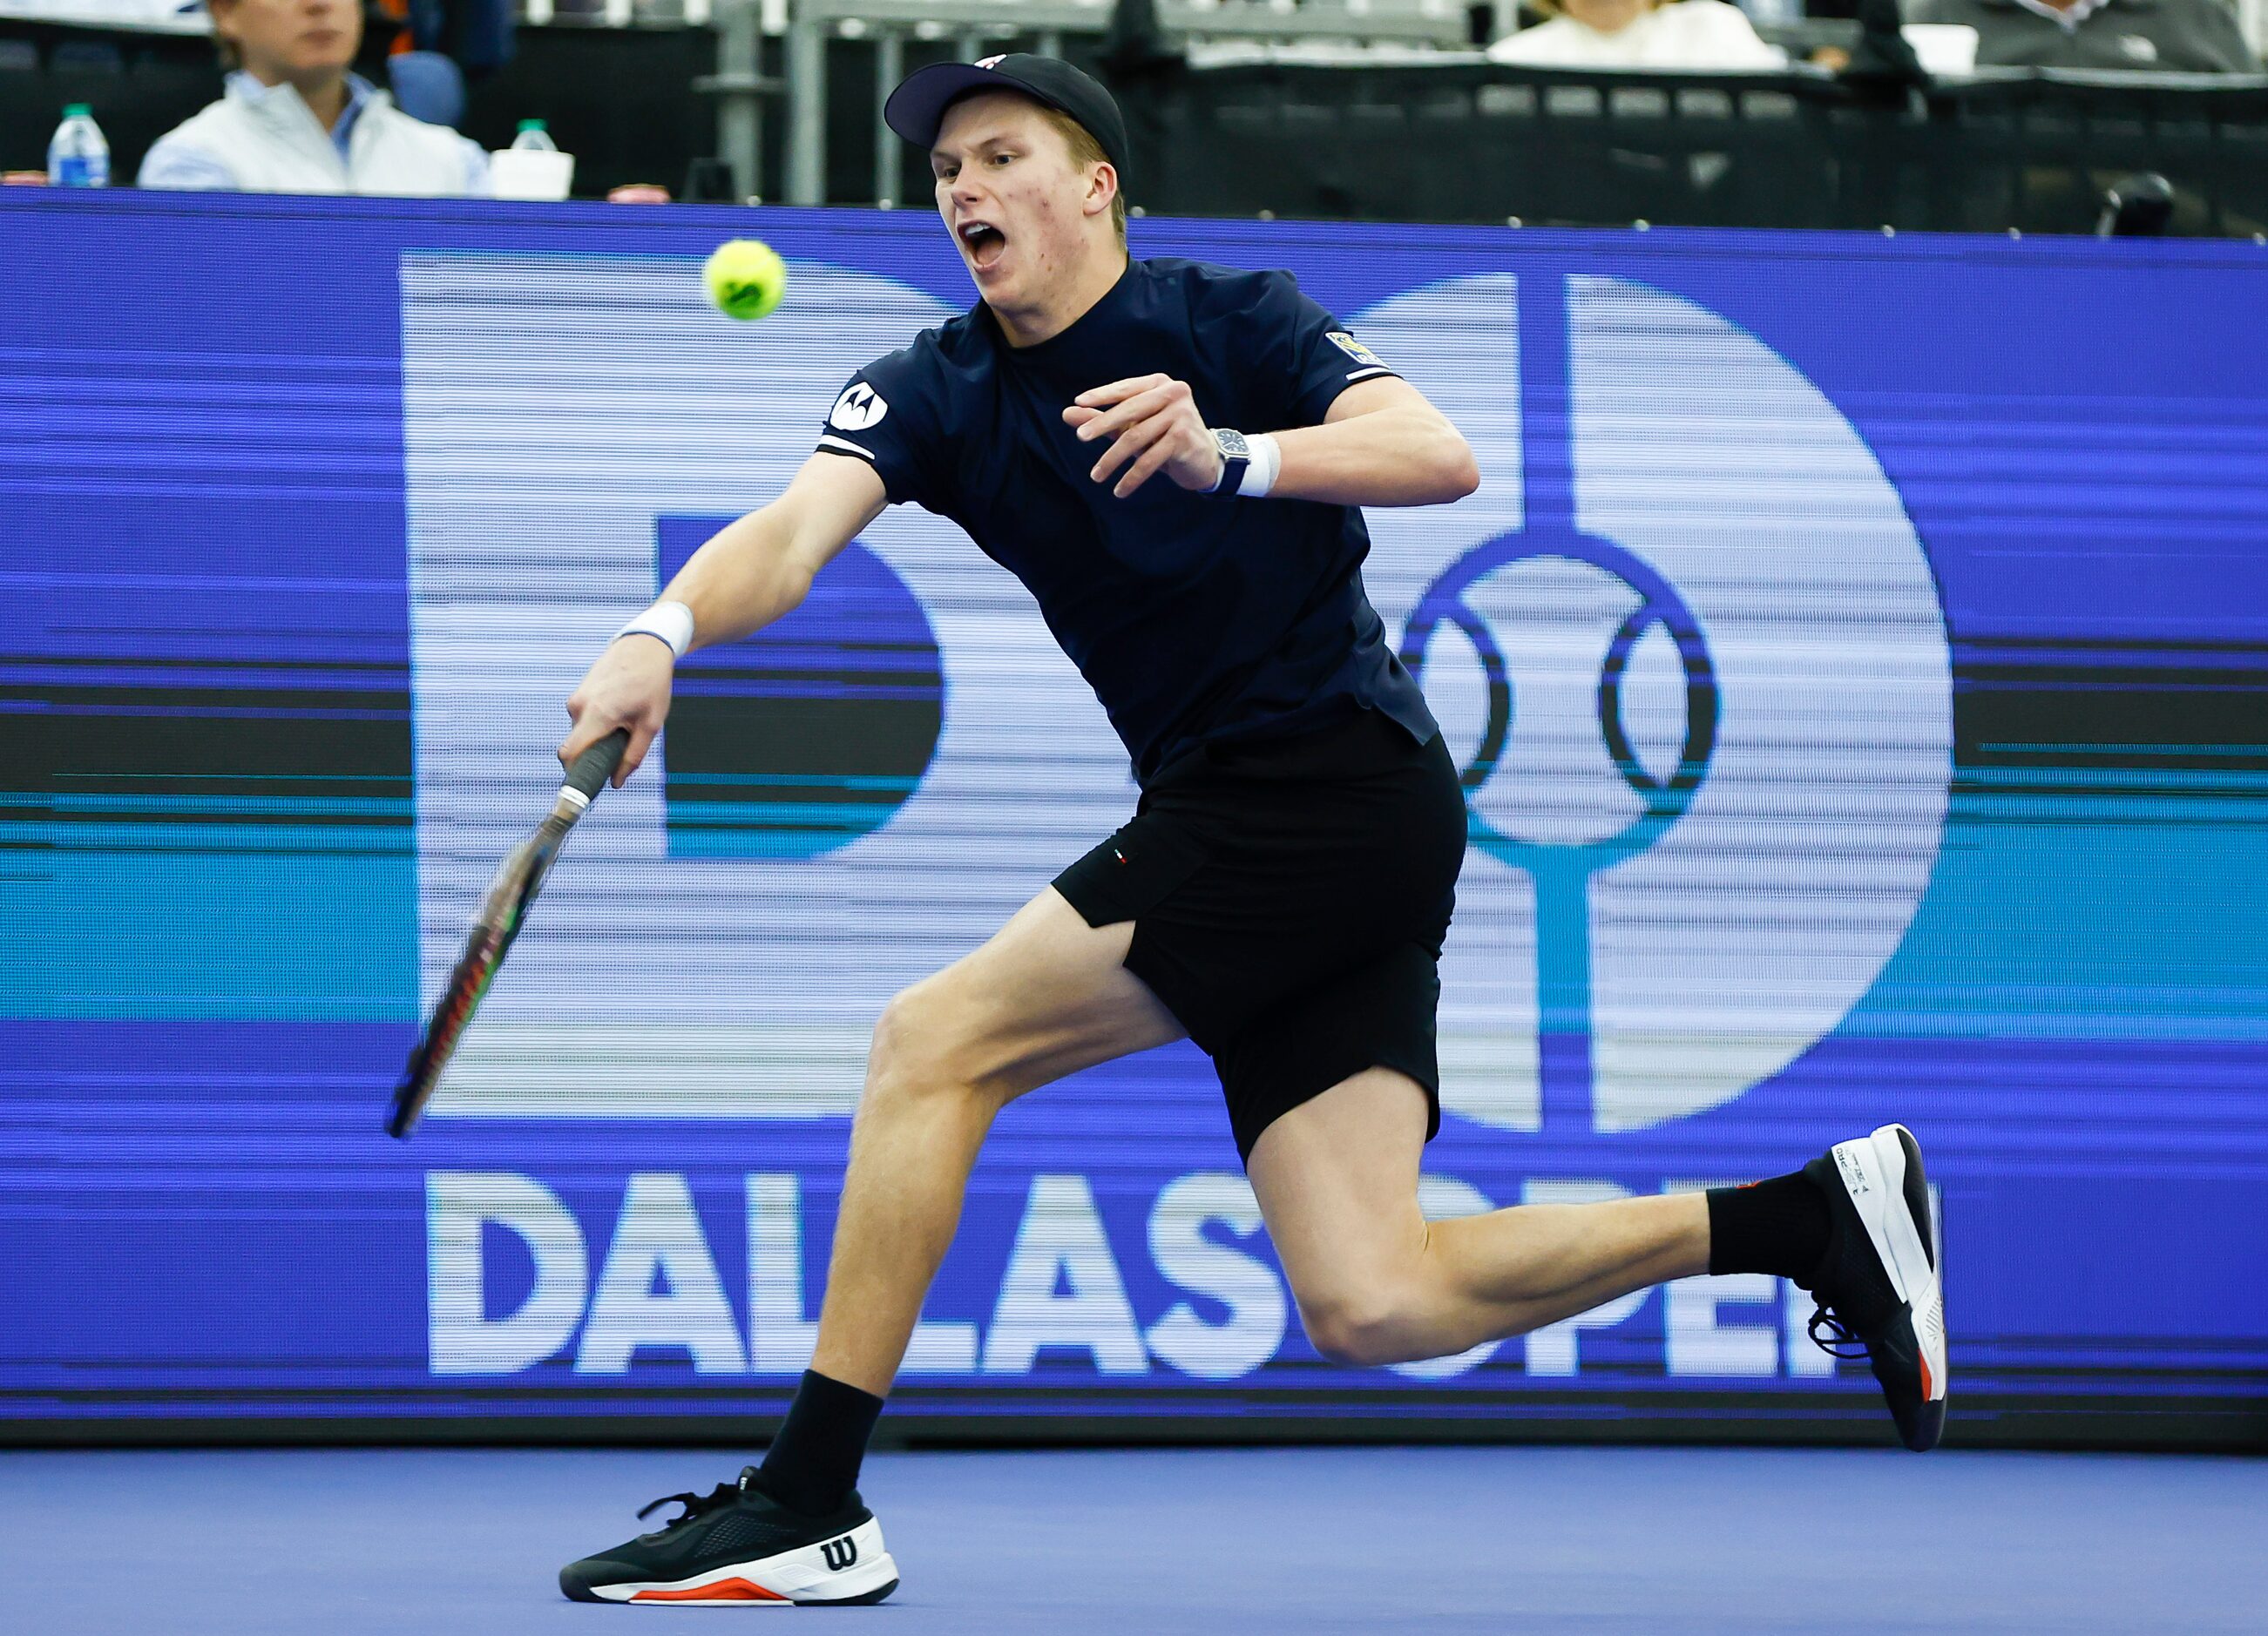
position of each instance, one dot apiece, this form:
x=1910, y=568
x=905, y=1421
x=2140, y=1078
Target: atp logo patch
x=859, y=407
x=1355, y=349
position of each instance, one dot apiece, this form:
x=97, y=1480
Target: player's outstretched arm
x=1380, y=443
x=749, y=573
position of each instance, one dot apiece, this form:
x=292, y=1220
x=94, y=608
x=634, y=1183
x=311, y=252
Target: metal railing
x=2251, y=15
x=628, y=13
x=741, y=87
x=973, y=24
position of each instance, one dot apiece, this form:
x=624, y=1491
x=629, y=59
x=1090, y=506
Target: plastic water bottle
x=78, y=155
x=534, y=137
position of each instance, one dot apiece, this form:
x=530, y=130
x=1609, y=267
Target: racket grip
x=596, y=765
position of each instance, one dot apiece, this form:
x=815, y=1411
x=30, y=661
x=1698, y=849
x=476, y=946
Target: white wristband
x=1267, y=461
x=672, y=621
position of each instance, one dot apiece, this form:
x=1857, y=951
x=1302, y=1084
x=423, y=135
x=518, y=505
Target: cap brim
x=916, y=107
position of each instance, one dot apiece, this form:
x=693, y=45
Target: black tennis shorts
x=1290, y=897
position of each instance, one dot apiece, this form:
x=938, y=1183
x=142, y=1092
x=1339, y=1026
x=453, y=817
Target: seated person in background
x=294, y=120
x=1688, y=34
x=2150, y=36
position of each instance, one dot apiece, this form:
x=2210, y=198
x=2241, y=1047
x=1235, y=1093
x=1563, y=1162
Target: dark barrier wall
x=1459, y=143
x=1860, y=647
x=2027, y=149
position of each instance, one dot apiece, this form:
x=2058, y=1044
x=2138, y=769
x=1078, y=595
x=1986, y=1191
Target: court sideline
x=367, y=1541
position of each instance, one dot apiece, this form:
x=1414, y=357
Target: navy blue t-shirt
x=1195, y=618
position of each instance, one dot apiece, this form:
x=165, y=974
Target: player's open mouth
x=984, y=244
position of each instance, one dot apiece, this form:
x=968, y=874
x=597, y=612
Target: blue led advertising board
x=316, y=511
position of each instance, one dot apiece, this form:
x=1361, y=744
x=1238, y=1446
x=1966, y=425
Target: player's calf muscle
x=911, y=1150
x=1486, y=1277
x=1539, y=1252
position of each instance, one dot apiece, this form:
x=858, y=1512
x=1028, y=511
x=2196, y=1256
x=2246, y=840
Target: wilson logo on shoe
x=840, y=1553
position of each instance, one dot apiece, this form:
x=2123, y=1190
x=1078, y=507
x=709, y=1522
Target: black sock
x=1780, y=1227
x=812, y=1464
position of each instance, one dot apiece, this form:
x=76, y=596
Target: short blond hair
x=1553, y=7
x=1084, y=150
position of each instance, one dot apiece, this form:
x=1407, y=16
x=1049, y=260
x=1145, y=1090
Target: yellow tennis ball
x=746, y=278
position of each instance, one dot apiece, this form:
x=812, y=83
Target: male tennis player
x=1171, y=457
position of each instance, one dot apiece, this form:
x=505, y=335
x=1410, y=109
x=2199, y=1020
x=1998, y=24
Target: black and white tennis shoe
x=1880, y=1286
x=736, y=1544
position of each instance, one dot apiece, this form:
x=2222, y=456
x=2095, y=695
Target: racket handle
x=596, y=765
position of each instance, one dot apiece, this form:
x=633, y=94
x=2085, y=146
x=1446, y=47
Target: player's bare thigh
x=1046, y=995
x=1336, y=1179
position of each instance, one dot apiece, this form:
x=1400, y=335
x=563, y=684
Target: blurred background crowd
x=2073, y=115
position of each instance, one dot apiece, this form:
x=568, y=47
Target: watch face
x=1232, y=444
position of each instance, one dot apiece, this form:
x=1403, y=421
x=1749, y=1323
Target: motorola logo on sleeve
x=859, y=407
x=1689, y=652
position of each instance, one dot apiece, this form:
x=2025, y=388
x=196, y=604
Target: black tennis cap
x=916, y=107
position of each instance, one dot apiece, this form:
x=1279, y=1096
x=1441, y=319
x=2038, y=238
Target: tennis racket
x=518, y=879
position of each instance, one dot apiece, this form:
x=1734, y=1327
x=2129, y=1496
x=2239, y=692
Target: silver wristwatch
x=1235, y=460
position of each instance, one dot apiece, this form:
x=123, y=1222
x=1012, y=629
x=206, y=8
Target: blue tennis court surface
x=1248, y=1540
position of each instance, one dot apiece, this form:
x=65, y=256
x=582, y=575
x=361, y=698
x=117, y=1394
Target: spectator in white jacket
x=294, y=120
x=1688, y=34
